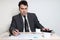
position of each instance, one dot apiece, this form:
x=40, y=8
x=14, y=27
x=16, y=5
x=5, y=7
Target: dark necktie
x=26, y=25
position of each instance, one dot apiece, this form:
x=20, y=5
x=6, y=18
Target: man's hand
x=46, y=30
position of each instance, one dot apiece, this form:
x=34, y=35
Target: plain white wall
x=47, y=11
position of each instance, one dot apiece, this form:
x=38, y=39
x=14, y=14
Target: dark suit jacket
x=17, y=22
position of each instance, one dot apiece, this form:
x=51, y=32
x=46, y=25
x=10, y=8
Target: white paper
x=27, y=36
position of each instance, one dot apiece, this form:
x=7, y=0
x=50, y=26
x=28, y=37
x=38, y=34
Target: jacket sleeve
x=13, y=23
x=36, y=23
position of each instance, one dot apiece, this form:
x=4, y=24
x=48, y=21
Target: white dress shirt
x=24, y=24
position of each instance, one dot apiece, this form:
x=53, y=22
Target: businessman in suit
x=25, y=21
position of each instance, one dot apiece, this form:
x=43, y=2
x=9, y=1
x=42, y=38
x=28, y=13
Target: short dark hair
x=23, y=2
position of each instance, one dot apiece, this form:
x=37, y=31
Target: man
x=25, y=21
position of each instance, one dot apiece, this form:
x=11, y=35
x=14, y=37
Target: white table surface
x=30, y=36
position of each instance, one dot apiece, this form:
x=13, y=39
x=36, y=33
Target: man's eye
x=22, y=8
x=25, y=8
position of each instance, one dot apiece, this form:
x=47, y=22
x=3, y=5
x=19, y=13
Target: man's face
x=23, y=9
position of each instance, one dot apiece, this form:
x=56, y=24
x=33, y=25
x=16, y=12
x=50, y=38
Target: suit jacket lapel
x=29, y=19
x=20, y=20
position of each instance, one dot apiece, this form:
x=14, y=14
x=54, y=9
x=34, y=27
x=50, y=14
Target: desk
x=36, y=36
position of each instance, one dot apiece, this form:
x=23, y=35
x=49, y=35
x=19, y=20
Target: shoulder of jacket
x=31, y=13
x=15, y=16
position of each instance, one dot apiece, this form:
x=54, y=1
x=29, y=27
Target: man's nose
x=24, y=10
